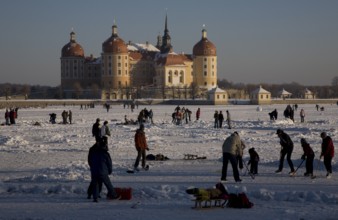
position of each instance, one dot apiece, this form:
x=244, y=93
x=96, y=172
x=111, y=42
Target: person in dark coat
x=96, y=130
x=308, y=156
x=254, y=159
x=327, y=153
x=101, y=167
x=90, y=189
x=287, y=148
x=273, y=115
x=220, y=119
x=216, y=119
x=198, y=114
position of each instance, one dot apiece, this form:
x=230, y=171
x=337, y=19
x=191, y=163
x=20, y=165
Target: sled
x=210, y=203
x=193, y=157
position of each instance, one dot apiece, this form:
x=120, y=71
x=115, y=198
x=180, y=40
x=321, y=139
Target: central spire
x=166, y=39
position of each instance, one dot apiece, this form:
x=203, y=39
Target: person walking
x=302, y=115
x=287, y=148
x=96, y=130
x=105, y=133
x=230, y=147
x=101, y=167
x=327, y=153
x=141, y=147
x=308, y=155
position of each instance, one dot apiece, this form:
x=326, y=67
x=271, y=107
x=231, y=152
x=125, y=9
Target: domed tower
x=205, y=63
x=115, y=66
x=72, y=67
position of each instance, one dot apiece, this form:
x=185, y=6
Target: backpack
x=239, y=201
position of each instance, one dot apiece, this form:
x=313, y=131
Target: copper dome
x=72, y=49
x=114, y=44
x=204, y=47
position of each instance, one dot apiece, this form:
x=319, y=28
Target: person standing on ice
x=309, y=155
x=105, y=133
x=216, y=119
x=287, y=148
x=230, y=148
x=96, y=130
x=327, y=153
x=220, y=119
x=302, y=115
x=70, y=116
x=100, y=168
x=198, y=114
x=228, y=119
x=141, y=147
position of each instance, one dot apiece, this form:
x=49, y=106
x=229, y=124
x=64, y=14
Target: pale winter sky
x=258, y=41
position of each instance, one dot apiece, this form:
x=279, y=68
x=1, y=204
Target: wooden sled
x=193, y=157
x=210, y=203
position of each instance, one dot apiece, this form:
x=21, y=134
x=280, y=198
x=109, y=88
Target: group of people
x=327, y=152
x=181, y=114
x=232, y=149
x=288, y=113
x=11, y=116
x=145, y=115
x=100, y=163
x=219, y=118
x=67, y=116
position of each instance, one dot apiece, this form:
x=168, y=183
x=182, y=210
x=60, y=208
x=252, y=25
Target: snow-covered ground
x=44, y=172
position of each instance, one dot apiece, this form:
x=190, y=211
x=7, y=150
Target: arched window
x=181, y=76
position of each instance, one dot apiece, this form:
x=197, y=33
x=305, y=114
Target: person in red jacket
x=309, y=156
x=141, y=147
x=327, y=153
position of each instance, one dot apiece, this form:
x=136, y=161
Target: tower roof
x=204, y=47
x=114, y=44
x=72, y=49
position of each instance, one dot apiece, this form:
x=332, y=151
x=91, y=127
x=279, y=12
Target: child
x=254, y=158
x=309, y=156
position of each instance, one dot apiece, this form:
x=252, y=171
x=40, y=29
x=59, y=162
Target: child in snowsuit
x=254, y=158
x=309, y=156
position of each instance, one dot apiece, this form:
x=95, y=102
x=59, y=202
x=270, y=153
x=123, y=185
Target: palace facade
x=133, y=70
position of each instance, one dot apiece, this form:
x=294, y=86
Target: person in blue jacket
x=101, y=167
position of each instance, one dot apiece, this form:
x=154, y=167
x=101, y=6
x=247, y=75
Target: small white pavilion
x=218, y=96
x=260, y=96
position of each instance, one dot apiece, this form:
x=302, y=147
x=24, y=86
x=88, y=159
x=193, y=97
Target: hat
x=279, y=131
x=323, y=134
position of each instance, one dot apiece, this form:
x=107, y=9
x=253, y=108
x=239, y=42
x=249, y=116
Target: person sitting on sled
x=308, y=155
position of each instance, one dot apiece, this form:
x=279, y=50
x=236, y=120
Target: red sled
x=125, y=193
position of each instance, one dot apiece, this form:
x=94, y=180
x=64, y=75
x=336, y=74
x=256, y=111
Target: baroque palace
x=133, y=70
